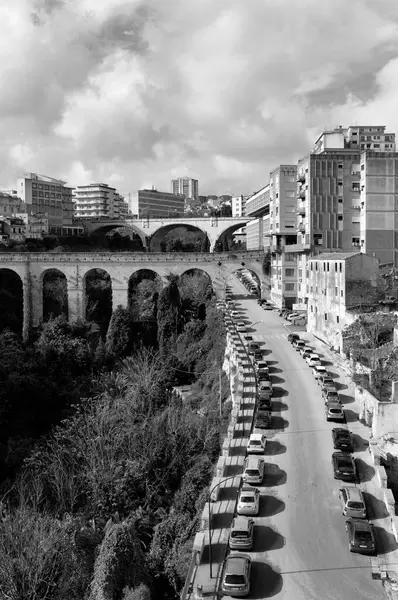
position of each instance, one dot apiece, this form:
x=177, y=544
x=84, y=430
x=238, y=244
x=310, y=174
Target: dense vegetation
x=104, y=469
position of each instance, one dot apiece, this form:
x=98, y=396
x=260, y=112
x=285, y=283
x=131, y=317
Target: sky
x=134, y=93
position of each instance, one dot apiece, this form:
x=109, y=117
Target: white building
x=99, y=200
x=185, y=186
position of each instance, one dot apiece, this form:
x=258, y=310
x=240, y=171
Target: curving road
x=301, y=550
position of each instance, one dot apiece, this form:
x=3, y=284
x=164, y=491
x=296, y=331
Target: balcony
x=301, y=210
x=301, y=178
x=297, y=247
x=356, y=206
x=301, y=227
x=301, y=194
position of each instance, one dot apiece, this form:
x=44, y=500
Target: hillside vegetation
x=104, y=469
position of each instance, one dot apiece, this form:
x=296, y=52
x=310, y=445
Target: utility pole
x=220, y=390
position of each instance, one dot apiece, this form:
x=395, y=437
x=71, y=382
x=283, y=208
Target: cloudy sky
x=135, y=92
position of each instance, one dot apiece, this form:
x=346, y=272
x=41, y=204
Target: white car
x=292, y=316
x=248, y=501
x=265, y=389
x=261, y=365
x=241, y=327
x=256, y=444
x=313, y=360
x=235, y=314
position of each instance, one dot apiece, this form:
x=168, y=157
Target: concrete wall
x=381, y=416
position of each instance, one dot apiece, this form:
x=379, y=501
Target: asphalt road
x=301, y=549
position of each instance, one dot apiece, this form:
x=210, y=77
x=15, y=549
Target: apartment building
x=339, y=282
x=146, y=204
x=185, y=186
x=99, y=200
x=47, y=196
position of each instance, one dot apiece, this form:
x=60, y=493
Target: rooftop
x=336, y=255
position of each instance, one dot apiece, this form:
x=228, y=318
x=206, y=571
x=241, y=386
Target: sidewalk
x=385, y=564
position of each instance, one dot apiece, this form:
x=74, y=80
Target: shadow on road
x=366, y=472
x=345, y=398
x=273, y=362
x=278, y=423
x=278, y=392
x=385, y=541
x=267, y=539
x=360, y=443
x=237, y=450
x=274, y=475
x=273, y=448
x=376, y=508
x=222, y=520
x=350, y=416
x=266, y=582
x=279, y=406
x=270, y=506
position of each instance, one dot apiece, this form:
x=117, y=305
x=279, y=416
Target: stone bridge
x=31, y=268
x=212, y=227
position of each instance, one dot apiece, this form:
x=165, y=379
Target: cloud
x=134, y=91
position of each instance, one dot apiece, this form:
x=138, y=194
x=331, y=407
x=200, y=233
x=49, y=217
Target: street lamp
x=209, y=509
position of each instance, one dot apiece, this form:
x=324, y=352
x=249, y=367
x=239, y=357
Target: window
x=289, y=287
x=335, y=267
x=341, y=265
x=312, y=308
x=356, y=186
x=328, y=267
x=326, y=317
x=336, y=291
x=316, y=266
x=362, y=167
x=289, y=272
x=341, y=293
x=340, y=182
x=340, y=166
x=340, y=200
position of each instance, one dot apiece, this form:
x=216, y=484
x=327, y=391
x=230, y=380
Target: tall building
x=47, y=196
x=185, y=186
x=99, y=200
x=239, y=205
x=152, y=203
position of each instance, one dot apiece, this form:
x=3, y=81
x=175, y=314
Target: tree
x=140, y=593
x=119, y=335
x=169, y=305
x=120, y=563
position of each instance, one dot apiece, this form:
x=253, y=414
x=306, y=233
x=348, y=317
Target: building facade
x=99, y=200
x=154, y=204
x=47, y=196
x=339, y=282
x=185, y=186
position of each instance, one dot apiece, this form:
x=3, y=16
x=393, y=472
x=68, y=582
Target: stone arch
x=143, y=285
x=97, y=294
x=11, y=300
x=190, y=274
x=54, y=288
x=228, y=231
x=155, y=240
x=104, y=229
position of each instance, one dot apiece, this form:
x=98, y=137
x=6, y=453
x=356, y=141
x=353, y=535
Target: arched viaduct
x=31, y=268
x=213, y=227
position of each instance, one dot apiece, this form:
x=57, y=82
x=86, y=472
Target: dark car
x=235, y=580
x=264, y=403
x=360, y=536
x=262, y=419
x=344, y=467
x=263, y=376
x=292, y=336
x=248, y=338
x=261, y=301
x=253, y=347
x=342, y=439
x=298, y=344
x=267, y=307
x=258, y=354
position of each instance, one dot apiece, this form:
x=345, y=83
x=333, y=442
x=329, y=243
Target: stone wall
x=382, y=417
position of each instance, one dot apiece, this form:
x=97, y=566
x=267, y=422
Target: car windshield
x=356, y=505
x=363, y=536
x=345, y=462
x=239, y=534
x=252, y=472
x=335, y=411
x=255, y=443
x=247, y=499
x=232, y=579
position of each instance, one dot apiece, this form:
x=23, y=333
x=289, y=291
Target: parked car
x=292, y=336
x=342, y=439
x=327, y=382
x=236, y=575
x=319, y=371
x=241, y=327
x=301, y=320
x=253, y=470
x=267, y=306
x=247, y=338
x=263, y=375
x=344, y=467
x=334, y=412
x=253, y=346
x=331, y=395
x=261, y=365
x=248, y=501
x=360, y=536
x=241, y=534
x=305, y=351
x=352, y=502
x=264, y=403
x=313, y=356
x=298, y=344
x=235, y=314
x=258, y=354
x=262, y=419
x=264, y=388
x=256, y=443
x=292, y=316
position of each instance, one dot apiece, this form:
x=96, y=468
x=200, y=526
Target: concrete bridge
x=32, y=267
x=213, y=227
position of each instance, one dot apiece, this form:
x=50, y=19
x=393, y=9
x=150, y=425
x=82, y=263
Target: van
x=253, y=470
x=300, y=320
x=353, y=502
